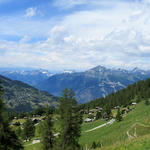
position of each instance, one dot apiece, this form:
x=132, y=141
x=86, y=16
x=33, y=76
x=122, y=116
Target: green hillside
x=134, y=125
x=133, y=128
x=132, y=133
x=141, y=143
x=22, y=97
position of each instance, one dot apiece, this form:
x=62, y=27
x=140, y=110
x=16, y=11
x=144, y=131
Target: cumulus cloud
x=30, y=12
x=116, y=37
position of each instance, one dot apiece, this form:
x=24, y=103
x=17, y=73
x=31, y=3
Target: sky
x=75, y=34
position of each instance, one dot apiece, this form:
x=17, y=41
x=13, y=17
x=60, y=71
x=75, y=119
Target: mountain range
x=93, y=83
x=88, y=85
x=31, y=77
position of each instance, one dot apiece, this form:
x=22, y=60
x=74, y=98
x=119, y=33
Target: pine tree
x=70, y=118
x=98, y=115
x=118, y=116
x=94, y=145
x=99, y=145
x=48, y=139
x=19, y=132
x=28, y=130
x=146, y=101
x=107, y=109
x=138, y=99
x=8, y=138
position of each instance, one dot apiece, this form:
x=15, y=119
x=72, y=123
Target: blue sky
x=75, y=34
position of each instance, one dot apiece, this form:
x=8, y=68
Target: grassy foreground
x=141, y=143
x=37, y=146
x=134, y=124
x=132, y=133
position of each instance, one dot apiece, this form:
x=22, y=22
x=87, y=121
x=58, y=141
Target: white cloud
x=88, y=4
x=25, y=39
x=30, y=12
x=63, y=4
x=146, y=1
x=116, y=37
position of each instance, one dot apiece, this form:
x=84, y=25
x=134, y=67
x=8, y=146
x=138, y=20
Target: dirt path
x=129, y=136
x=38, y=141
x=33, y=142
x=108, y=123
x=105, y=124
x=134, y=134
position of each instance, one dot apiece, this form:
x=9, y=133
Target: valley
x=110, y=122
x=87, y=85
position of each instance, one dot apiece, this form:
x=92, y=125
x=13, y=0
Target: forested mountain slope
x=138, y=91
x=134, y=126
x=22, y=97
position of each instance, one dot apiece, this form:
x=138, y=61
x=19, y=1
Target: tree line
x=138, y=91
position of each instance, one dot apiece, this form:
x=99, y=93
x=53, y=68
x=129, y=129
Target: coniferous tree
x=99, y=145
x=8, y=138
x=48, y=139
x=118, y=116
x=138, y=99
x=19, y=132
x=71, y=120
x=98, y=115
x=146, y=101
x=28, y=130
x=94, y=145
x=107, y=109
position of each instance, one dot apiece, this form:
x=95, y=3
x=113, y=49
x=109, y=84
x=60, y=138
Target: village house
x=88, y=120
x=116, y=107
x=99, y=109
x=91, y=112
x=133, y=103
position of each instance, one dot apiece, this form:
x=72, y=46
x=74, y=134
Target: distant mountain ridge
x=22, y=97
x=93, y=83
x=88, y=85
x=31, y=77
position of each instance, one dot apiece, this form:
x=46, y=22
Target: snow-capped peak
x=68, y=71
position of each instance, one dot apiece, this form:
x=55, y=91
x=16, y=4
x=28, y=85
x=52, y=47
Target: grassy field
x=90, y=125
x=18, y=120
x=132, y=133
x=141, y=143
x=37, y=146
x=136, y=123
x=85, y=127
